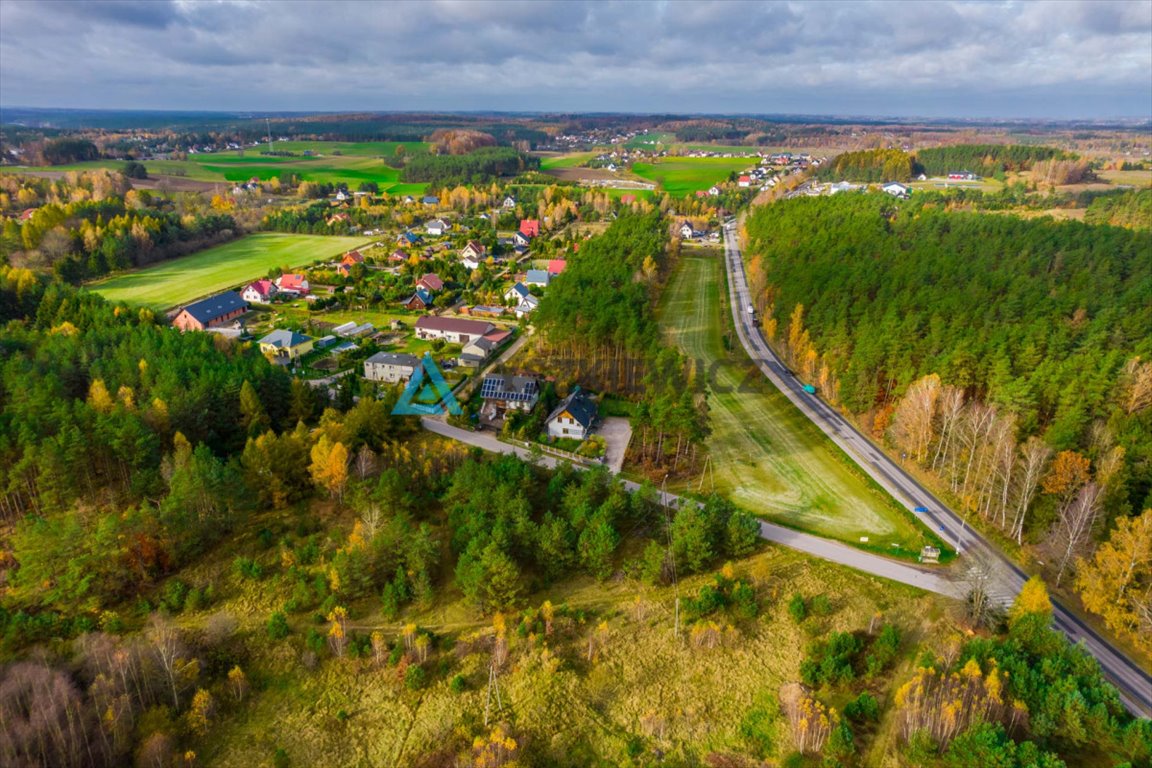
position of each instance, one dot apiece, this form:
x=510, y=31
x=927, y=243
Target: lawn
x=565, y=161
x=175, y=282
x=766, y=456
x=685, y=175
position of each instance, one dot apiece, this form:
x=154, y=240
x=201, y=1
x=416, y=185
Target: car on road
x=920, y=509
x=809, y=389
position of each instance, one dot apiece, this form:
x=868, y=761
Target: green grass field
x=685, y=175
x=178, y=281
x=565, y=161
x=333, y=162
x=767, y=457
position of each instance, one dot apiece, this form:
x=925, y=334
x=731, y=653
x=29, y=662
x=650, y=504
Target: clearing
x=684, y=175
x=765, y=455
x=177, y=281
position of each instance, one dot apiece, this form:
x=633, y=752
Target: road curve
x=1006, y=578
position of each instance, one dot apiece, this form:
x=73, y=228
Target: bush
x=863, y=707
x=458, y=684
x=278, y=628
x=173, y=596
x=415, y=677
x=247, y=568
x=821, y=606
x=797, y=609
x=831, y=661
x=280, y=758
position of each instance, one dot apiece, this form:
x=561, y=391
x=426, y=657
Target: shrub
x=821, y=606
x=458, y=684
x=247, y=568
x=797, y=609
x=414, y=677
x=278, y=628
x=863, y=707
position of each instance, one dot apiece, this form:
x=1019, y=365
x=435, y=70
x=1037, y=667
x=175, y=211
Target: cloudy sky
x=1089, y=58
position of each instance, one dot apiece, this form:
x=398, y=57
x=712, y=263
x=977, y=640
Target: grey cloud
x=1054, y=58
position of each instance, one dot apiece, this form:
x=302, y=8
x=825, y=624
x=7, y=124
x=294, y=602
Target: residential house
x=556, y=266
x=430, y=200
x=259, y=292
x=398, y=255
x=474, y=252
x=352, y=258
x=539, y=277
x=896, y=189
x=408, y=238
x=293, y=283
x=390, y=367
x=687, y=231
x=574, y=417
x=451, y=329
x=285, y=345
x=336, y=218
x=521, y=240
x=627, y=199
x=517, y=293
x=530, y=227
x=211, y=312
x=479, y=349
x=744, y=181
x=431, y=282
x=509, y=202
x=526, y=306
x=437, y=227
x=714, y=190
x=421, y=299
x=502, y=393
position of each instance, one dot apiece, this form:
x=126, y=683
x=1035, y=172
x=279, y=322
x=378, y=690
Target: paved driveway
x=616, y=432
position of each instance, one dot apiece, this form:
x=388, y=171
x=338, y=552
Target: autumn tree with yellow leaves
x=1116, y=582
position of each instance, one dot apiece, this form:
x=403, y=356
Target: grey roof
x=207, y=310
x=537, y=276
x=521, y=389
x=521, y=290
x=394, y=358
x=285, y=339
x=580, y=405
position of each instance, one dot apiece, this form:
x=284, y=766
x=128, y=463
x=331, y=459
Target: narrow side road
x=1006, y=578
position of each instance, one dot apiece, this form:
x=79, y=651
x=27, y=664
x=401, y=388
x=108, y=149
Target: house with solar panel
x=502, y=393
x=212, y=312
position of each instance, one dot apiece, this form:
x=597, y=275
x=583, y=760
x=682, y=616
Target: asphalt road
x=1005, y=577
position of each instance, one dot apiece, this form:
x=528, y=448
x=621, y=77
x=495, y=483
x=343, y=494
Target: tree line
x=878, y=165
x=478, y=167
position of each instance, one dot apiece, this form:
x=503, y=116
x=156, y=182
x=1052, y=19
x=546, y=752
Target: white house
x=896, y=189
x=517, y=293
x=574, y=416
x=390, y=368
x=452, y=329
x=437, y=227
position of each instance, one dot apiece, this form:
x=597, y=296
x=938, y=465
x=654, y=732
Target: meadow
x=179, y=281
x=641, y=686
x=766, y=456
x=685, y=175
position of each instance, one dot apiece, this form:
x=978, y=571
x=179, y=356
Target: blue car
x=920, y=509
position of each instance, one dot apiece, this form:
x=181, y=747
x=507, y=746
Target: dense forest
x=478, y=167
x=1011, y=357
x=1132, y=208
x=869, y=165
x=983, y=159
x=599, y=324
x=878, y=165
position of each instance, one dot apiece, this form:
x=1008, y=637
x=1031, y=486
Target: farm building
x=574, y=416
x=285, y=345
x=211, y=312
x=390, y=367
x=451, y=329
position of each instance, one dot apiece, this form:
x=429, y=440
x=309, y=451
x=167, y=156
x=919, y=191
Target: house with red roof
x=26, y=214
x=293, y=283
x=431, y=282
x=351, y=258
x=530, y=227
x=744, y=181
x=627, y=199
x=556, y=266
x=259, y=292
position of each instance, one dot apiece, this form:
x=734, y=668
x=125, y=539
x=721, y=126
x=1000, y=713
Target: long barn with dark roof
x=211, y=312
